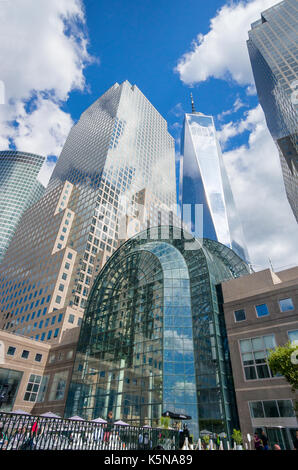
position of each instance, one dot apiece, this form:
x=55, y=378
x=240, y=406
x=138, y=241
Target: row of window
x=25, y=354
x=285, y=305
x=272, y=409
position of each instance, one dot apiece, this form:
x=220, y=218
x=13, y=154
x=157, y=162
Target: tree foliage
x=283, y=360
x=237, y=436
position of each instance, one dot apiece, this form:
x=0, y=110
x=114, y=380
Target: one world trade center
x=204, y=183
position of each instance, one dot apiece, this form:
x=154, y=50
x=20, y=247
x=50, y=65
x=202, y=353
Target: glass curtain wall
x=153, y=337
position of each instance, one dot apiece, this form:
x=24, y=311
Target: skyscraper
x=153, y=336
x=204, y=181
x=119, y=148
x=273, y=52
x=19, y=189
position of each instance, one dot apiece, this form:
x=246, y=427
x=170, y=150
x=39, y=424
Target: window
x=38, y=357
x=254, y=352
x=52, y=358
x=25, y=354
x=240, y=315
x=58, y=386
x=61, y=287
x=11, y=350
x=49, y=334
x=272, y=409
x=262, y=310
x=64, y=276
x=43, y=388
x=69, y=354
x=56, y=332
x=293, y=335
x=69, y=256
x=286, y=305
x=58, y=299
x=32, y=388
x=71, y=318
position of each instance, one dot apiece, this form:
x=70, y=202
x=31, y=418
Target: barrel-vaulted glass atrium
x=153, y=335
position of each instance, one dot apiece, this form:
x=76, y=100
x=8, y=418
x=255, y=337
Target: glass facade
x=153, y=335
x=203, y=180
x=273, y=52
x=115, y=155
x=19, y=189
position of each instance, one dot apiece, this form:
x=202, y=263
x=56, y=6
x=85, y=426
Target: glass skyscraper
x=273, y=51
x=19, y=189
x=117, y=155
x=153, y=336
x=204, y=181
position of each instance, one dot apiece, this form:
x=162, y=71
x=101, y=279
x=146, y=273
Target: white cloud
x=222, y=52
x=255, y=173
x=238, y=104
x=43, y=52
x=253, y=118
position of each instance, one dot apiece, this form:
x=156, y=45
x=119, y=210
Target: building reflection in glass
x=153, y=336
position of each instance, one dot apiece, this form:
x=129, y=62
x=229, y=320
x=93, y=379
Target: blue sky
x=59, y=56
x=141, y=41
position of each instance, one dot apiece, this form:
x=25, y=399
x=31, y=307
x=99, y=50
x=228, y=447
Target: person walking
x=264, y=440
x=258, y=442
x=110, y=422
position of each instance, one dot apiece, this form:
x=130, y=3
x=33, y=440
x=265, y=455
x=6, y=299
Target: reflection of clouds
x=177, y=342
x=184, y=387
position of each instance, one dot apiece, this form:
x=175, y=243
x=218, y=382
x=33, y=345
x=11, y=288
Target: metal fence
x=26, y=432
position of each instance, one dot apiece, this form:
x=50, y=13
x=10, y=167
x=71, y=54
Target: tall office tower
x=119, y=148
x=204, y=181
x=19, y=189
x=273, y=51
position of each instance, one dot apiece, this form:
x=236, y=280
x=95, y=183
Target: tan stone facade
x=260, y=312
x=35, y=375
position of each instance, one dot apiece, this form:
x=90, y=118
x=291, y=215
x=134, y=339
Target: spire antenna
x=193, y=109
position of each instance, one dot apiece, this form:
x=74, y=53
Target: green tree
x=283, y=360
x=237, y=436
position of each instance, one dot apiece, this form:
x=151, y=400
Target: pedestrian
x=276, y=447
x=258, y=442
x=109, y=426
x=146, y=442
x=264, y=440
x=185, y=434
x=141, y=440
x=296, y=441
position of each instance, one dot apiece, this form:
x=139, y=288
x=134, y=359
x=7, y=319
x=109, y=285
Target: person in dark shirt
x=264, y=440
x=109, y=426
x=258, y=442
